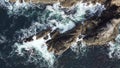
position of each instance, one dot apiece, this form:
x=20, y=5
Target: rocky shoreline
x=96, y=30
x=67, y=3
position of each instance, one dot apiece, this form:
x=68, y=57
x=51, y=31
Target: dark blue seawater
x=93, y=57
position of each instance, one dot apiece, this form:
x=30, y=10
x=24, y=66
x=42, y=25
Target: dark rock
x=97, y=30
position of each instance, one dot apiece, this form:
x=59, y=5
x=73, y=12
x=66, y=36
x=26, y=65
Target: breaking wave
x=114, y=49
x=42, y=17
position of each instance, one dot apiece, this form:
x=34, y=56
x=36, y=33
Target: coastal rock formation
x=68, y=3
x=106, y=28
x=104, y=34
x=97, y=30
x=116, y=2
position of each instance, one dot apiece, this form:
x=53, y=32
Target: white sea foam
x=2, y=39
x=54, y=17
x=37, y=47
x=114, y=49
x=32, y=30
x=83, y=7
x=79, y=47
x=40, y=46
x=67, y=22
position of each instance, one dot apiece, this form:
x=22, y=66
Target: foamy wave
x=34, y=28
x=51, y=16
x=36, y=47
x=79, y=47
x=16, y=5
x=114, y=49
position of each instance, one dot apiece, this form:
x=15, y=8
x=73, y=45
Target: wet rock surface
x=97, y=30
x=96, y=56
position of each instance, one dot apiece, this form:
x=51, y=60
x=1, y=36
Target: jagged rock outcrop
x=104, y=34
x=62, y=42
x=106, y=28
x=96, y=30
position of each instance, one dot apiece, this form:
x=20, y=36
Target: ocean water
x=22, y=20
